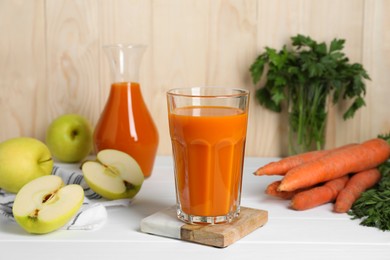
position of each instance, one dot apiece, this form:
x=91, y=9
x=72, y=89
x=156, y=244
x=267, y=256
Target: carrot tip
x=282, y=188
x=255, y=173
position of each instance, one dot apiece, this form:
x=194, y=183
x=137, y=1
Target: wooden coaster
x=165, y=223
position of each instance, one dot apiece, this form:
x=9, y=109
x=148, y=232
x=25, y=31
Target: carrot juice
x=126, y=125
x=208, y=145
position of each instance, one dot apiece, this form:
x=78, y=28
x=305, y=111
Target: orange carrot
x=352, y=159
x=318, y=195
x=272, y=190
x=282, y=166
x=358, y=183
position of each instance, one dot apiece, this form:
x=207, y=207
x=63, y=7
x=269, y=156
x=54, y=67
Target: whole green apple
x=69, y=138
x=23, y=159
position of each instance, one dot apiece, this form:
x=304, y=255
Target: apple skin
x=69, y=138
x=36, y=213
x=128, y=194
x=22, y=160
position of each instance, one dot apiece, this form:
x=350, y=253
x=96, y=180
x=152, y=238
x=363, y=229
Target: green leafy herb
x=304, y=77
x=373, y=206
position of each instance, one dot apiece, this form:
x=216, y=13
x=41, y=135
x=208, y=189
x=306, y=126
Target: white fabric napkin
x=92, y=214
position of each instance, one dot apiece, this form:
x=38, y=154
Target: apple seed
x=128, y=185
x=47, y=197
x=34, y=214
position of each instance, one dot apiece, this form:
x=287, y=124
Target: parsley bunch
x=305, y=76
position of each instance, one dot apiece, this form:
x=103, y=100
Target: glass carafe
x=125, y=123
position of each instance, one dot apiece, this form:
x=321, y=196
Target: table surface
x=313, y=234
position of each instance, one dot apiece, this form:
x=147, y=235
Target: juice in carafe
x=126, y=125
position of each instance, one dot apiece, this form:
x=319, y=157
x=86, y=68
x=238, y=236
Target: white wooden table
x=313, y=234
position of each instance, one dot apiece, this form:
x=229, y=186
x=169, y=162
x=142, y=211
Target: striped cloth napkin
x=92, y=214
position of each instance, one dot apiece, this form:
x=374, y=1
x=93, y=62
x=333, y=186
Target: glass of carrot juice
x=208, y=131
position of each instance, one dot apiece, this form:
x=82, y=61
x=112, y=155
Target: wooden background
x=51, y=60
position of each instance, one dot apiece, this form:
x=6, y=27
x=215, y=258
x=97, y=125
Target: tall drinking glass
x=208, y=131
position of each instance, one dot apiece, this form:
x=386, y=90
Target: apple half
x=45, y=204
x=114, y=175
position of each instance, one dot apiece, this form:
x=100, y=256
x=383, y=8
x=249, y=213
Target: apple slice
x=45, y=204
x=114, y=175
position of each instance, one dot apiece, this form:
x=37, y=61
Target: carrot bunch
x=315, y=178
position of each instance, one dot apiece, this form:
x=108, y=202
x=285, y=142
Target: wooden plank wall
x=51, y=60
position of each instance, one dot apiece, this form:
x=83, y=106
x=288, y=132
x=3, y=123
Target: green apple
x=23, y=159
x=69, y=138
x=45, y=204
x=114, y=175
